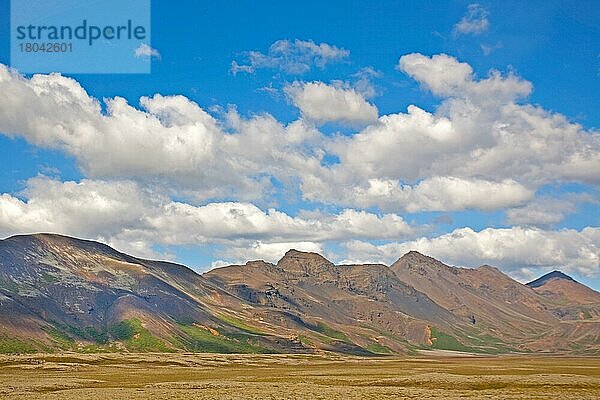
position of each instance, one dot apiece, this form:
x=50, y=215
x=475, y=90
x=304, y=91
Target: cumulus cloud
x=546, y=211
x=88, y=209
x=483, y=147
x=512, y=249
x=474, y=22
x=323, y=103
x=447, y=77
x=480, y=138
x=291, y=57
x=143, y=50
x=270, y=252
x=121, y=212
x=439, y=193
x=169, y=140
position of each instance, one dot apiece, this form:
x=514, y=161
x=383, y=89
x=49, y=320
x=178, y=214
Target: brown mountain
x=496, y=305
x=63, y=293
x=563, y=288
x=57, y=291
x=367, y=304
x=570, y=299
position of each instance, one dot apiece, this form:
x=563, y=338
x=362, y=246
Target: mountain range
x=59, y=293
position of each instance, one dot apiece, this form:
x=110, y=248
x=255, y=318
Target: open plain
x=216, y=376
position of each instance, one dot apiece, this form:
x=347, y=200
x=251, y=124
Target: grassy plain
x=218, y=376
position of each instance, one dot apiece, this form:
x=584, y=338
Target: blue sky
x=393, y=135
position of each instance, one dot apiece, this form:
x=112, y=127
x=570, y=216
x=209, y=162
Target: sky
x=360, y=130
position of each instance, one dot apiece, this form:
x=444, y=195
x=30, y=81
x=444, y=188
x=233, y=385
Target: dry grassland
x=205, y=376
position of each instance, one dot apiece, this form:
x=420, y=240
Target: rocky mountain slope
x=484, y=296
x=61, y=293
x=563, y=288
x=366, y=305
x=570, y=299
x=516, y=315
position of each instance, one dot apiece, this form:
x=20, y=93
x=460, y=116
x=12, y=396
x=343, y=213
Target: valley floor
x=205, y=376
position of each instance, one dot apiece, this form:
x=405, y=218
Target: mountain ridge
x=59, y=292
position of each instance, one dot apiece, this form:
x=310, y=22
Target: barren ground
x=206, y=376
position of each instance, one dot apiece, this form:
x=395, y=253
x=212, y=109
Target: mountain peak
x=304, y=255
x=303, y=262
x=414, y=255
x=56, y=242
x=487, y=267
x=413, y=260
x=548, y=277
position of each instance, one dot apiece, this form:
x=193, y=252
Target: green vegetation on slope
x=489, y=344
x=477, y=343
x=330, y=332
x=60, y=339
x=12, y=345
x=123, y=330
x=202, y=340
x=378, y=348
x=137, y=338
x=238, y=323
x=90, y=333
x=444, y=341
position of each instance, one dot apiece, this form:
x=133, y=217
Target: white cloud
x=125, y=214
x=474, y=22
x=512, y=249
x=170, y=140
x=180, y=223
x=88, y=209
x=438, y=193
x=323, y=103
x=479, y=136
x=143, y=50
x=447, y=77
x=291, y=57
x=479, y=149
x=270, y=252
x=447, y=193
x=482, y=148
x=546, y=211
x=540, y=213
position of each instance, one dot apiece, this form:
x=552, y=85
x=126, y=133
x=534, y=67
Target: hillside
x=571, y=299
x=516, y=315
x=351, y=304
x=62, y=293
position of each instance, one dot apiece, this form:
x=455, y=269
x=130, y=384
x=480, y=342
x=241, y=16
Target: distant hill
x=62, y=293
x=550, y=276
x=572, y=299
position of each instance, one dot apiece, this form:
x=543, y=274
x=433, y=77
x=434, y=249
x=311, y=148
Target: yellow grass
x=202, y=376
